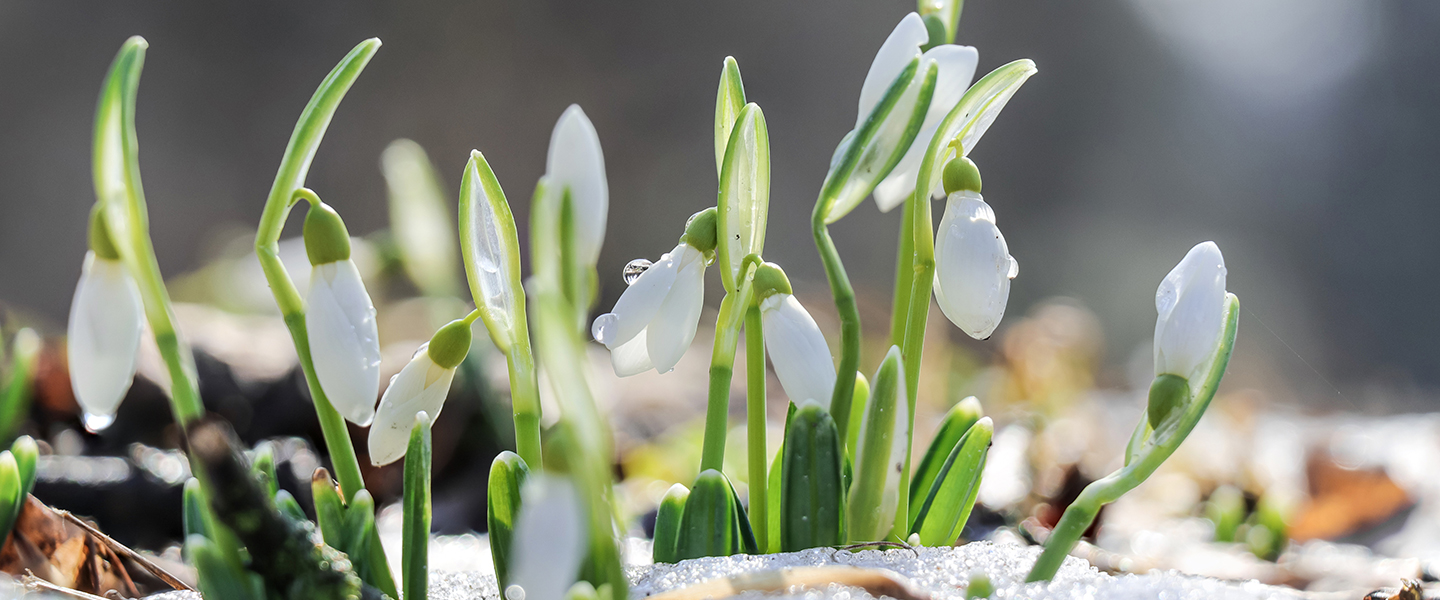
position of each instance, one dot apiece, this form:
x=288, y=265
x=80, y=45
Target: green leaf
x=953, y=426
x=502, y=507
x=948, y=504
x=218, y=580
x=1226, y=509
x=329, y=510
x=16, y=393
x=286, y=504
x=870, y=153
x=744, y=194
x=744, y=534
x=707, y=525
x=729, y=101
x=363, y=545
x=812, y=493
x=419, y=218
x=10, y=498
x=874, y=496
x=27, y=453
x=415, y=549
x=857, y=407
x=969, y=120
x=491, y=251
x=194, y=519
x=667, y=523
x=263, y=468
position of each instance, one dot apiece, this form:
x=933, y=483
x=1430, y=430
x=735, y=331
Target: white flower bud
x=575, y=162
x=973, y=266
x=1191, y=306
x=106, y=319
x=421, y=385
x=549, y=538
x=344, y=341
x=797, y=350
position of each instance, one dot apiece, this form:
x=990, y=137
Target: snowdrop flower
x=973, y=266
x=422, y=384
x=549, y=540
x=956, y=70
x=1191, y=303
x=796, y=346
x=340, y=319
x=106, y=318
x=654, y=321
x=576, y=163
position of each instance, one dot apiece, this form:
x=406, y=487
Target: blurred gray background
x=1301, y=135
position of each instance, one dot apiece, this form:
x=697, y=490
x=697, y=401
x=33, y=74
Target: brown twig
x=36, y=584
x=121, y=549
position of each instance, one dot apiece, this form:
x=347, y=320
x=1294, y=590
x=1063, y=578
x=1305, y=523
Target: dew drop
x=602, y=323
x=1014, y=268
x=95, y=423
x=634, y=269
x=514, y=592
x=487, y=263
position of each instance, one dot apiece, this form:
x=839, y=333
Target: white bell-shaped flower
x=1191, y=303
x=575, y=162
x=654, y=321
x=344, y=341
x=106, y=320
x=421, y=385
x=973, y=266
x=549, y=539
x=797, y=350
x=956, y=70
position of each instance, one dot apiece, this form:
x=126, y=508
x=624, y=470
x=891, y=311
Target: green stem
x=755, y=425
x=849, y=319
x=525, y=400
x=304, y=143
x=918, y=312
x=904, y=258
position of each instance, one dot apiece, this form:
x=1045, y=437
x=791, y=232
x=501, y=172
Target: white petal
x=106, y=319
x=421, y=385
x=973, y=266
x=575, y=161
x=797, y=350
x=957, y=68
x=549, y=538
x=673, y=328
x=899, y=49
x=639, y=302
x=1191, y=306
x=344, y=342
x=632, y=357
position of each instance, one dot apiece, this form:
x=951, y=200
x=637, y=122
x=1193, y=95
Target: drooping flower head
x=106, y=320
x=655, y=319
x=340, y=319
x=973, y=266
x=796, y=346
x=422, y=385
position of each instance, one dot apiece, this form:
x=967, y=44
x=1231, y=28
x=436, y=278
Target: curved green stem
x=849, y=319
x=755, y=425
x=304, y=142
x=120, y=193
x=1148, y=456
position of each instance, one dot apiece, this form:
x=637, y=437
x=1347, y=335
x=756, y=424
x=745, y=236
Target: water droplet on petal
x=634, y=269
x=602, y=323
x=1014, y=268
x=514, y=592
x=95, y=423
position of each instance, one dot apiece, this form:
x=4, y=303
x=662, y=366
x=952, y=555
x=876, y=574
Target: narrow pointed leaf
x=194, y=520
x=859, y=400
x=873, y=496
x=10, y=498
x=948, y=504
x=218, y=580
x=288, y=506
x=953, y=426
x=502, y=507
x=263, y=468
x=329, y=510
x=419, y=218
x=744, y=534
x=27, y=453
x=414, y=554
x=729, y=101
x=707, y=526
x=812, y=491
x=667, y=523
x=744, y=194
x=491, y=252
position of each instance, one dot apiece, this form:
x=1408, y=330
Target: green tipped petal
x=744, y=194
